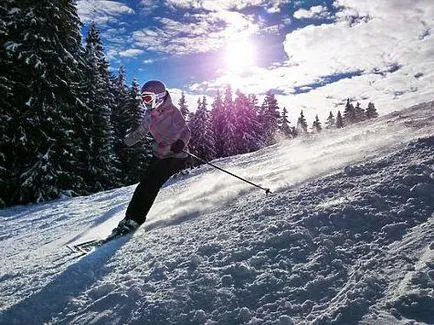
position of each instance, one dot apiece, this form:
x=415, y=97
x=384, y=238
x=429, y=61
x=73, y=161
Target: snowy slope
x=345, y=238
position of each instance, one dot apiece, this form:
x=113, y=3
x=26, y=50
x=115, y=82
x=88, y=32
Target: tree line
x=238, y=124
x=64, y=115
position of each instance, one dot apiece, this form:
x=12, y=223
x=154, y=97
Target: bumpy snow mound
x=342, y=249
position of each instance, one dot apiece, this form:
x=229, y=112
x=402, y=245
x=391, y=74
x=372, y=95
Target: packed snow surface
x=346, y=238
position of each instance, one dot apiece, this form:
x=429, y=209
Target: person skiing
x=171, y=136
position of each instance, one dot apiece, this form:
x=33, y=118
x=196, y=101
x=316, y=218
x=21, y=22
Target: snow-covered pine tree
x=371, y=111
x=99, y=157
x=183, y=107
x=7, y=108
x=258, y=126
x=316, y=125
x=247, y=124
x=339, y=120
x=119, y=118
x=285, y=129
x=8, y=20
x=331, y=121
x=120, y=93
x=229, y=125
x=218, y=117
x=349, y=113
x=41, y=62
x=270, y=117
x=5, y=7
x=301, y=124
x=359, y=113
x=134, y=160
x=202, y=138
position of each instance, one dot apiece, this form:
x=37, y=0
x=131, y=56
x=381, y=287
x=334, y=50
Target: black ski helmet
x=154, y=86
x=153, y=94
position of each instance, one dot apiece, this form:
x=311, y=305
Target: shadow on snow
x=50, y=301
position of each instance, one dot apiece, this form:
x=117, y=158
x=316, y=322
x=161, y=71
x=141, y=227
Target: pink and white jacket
x=166, y=124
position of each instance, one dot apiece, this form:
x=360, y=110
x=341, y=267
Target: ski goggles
x=152, y=100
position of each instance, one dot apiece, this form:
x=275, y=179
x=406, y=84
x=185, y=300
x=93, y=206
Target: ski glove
x=177, y=146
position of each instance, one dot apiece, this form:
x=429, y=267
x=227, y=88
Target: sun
x=239, y=56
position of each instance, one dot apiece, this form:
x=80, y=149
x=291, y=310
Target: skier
x=171, y=135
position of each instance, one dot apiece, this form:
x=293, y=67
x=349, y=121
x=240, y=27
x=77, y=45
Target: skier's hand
x=137, y=135
x=177, y=146
x=132, y=138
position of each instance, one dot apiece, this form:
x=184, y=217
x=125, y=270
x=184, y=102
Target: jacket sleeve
x=139, y=133
x=184, y=133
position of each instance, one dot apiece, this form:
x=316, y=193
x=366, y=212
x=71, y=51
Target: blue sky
x=313, y=54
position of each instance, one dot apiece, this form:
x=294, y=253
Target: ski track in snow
x=345, y=238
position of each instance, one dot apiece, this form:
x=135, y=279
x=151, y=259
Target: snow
x=14, y=11
x=345, y=238
x=11, y=46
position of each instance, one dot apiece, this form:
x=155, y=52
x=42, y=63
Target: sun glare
x=239, y=56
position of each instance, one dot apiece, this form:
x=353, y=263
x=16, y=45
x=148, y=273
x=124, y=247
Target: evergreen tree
x=349, y=113
x=270, y=117
x=119, y=117
x=316, y=126
x=247, y=124
x=229, y=125
x=371, y=111
x=120, y=93
x=40, y=66
x=258, y=126
x=331, y=121
x=301, y=124
x=98, y=158
x=135, y=159
x=339, y=120
x=359, y=113
x=202, y=138
x=5, y=7
x=7, y=109
x=284, y=125
x=218, y=117
x=183, y=107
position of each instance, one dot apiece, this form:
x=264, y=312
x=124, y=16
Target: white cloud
x=208, y=27
x=111, y=54
x=273, y=9
x=201, y=34
x=313, y=12
x=131, y=53
x=224, y=5
x=101, y=11
x=391, y=36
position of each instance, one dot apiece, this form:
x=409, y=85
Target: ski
x=125, y=227
x=88, y=246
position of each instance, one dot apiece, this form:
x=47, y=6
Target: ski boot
x=124, y=227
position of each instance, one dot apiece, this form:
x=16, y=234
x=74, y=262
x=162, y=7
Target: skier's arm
x=184, y=133
x=139, y=133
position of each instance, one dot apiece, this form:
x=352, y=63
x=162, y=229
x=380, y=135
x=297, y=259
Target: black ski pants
x=158, y=172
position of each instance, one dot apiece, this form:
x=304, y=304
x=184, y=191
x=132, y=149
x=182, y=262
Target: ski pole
x=267, y=190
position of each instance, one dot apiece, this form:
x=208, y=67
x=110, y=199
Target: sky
x=312, y=54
